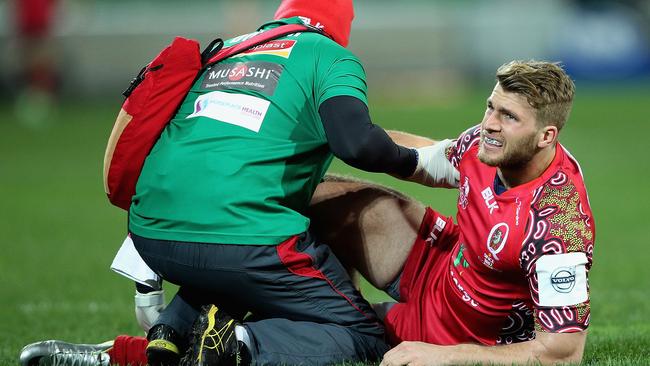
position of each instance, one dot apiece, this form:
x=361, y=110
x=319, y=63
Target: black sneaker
x=213, y=340
x=164, y=348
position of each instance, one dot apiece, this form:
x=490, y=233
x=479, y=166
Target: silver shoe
x=59, y=353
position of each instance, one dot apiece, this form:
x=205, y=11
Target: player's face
x=509, y=132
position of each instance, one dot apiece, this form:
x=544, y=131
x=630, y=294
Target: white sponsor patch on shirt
x=562, y=279
x=237, y=109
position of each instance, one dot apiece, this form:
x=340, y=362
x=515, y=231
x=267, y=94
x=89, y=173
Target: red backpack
x=152, y=100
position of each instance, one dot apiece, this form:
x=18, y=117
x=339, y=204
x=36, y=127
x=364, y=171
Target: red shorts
x=410, y=319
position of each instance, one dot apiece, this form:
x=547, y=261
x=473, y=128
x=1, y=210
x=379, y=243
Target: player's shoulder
x=468, y=139
x=564, y=185
x=470, y=136
x=560, y=219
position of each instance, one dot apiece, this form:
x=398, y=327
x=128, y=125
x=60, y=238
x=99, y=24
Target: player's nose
x=491, y=123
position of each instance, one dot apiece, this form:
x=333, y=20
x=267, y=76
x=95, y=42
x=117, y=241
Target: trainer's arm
x=545, y=349
x=353, y=138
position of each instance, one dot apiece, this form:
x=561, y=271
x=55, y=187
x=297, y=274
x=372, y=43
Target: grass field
x=58, y=232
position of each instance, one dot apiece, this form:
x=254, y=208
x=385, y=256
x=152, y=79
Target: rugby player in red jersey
x=506, y=283
x=513, y=270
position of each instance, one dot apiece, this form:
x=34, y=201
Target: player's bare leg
x=369, y=227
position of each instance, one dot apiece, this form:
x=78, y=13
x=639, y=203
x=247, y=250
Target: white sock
x=242, y=335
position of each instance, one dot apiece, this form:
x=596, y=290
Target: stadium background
x=430, y=65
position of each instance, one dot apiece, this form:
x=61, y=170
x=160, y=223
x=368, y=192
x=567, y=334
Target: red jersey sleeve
x=556, y=255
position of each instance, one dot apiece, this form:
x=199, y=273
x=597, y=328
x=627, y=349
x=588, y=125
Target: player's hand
x=147, y=308
x=415, y=354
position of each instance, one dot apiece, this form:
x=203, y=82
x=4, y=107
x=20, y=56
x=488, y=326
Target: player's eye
x=509, y=116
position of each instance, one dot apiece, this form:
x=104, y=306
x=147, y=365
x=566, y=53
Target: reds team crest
x=497, y=239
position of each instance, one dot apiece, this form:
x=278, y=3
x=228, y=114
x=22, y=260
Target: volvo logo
x=563, y=279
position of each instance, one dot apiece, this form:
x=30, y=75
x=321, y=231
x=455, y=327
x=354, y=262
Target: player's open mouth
x=492, y=142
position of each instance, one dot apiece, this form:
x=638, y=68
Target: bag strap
x=263, y=37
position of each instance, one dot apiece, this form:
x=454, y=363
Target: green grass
x=58, y=232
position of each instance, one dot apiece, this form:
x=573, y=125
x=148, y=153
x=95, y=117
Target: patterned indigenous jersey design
x=244, y=153
x=520, y=260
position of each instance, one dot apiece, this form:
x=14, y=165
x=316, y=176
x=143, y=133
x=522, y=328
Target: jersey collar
x=546, y=175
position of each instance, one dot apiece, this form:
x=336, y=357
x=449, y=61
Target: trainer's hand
x=147, y=308
x=433, y=169
x=415, y=354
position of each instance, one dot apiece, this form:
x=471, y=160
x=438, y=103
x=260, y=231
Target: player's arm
x=409, y=139
x=545, y=349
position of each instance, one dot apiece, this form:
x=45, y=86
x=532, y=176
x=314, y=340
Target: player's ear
x=548, y=136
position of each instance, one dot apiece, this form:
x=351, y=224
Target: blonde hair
x=546, y=86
